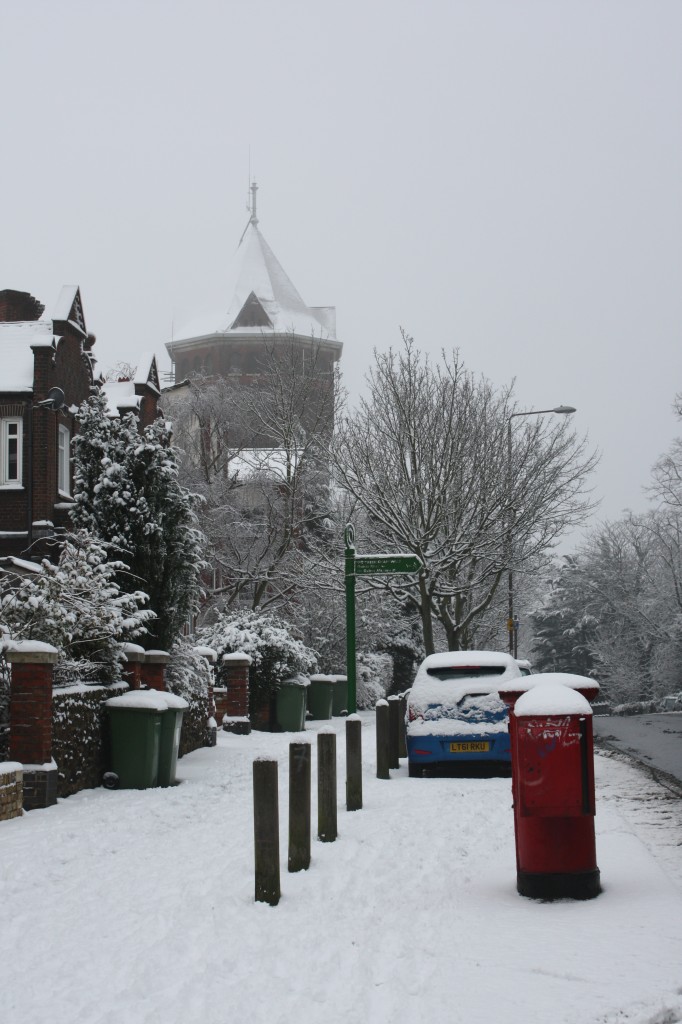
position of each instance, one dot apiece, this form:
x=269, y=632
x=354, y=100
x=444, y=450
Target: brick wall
x=11, y=790
x=80, y=735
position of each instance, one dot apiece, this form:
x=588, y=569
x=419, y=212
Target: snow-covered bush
x=275, y=654
x=189, y=675
x=76, y=606
x=126, y=492
x=374, y=676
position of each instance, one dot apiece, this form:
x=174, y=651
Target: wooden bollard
x=394, y=732
x=353, y=763
x=403, y=727
x=299, y=806
x=266, y=831
x=326, y=786
x=382, y=739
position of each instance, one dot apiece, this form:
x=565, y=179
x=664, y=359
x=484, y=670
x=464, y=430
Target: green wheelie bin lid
x=320, y=695
x=291, y=704
x=135, y=731
x=340, y=696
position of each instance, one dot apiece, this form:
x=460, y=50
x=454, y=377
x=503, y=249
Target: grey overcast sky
x=501, y=176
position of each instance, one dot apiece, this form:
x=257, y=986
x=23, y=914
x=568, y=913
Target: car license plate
x=470, y=747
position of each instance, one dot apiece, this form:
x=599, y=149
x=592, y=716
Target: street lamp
x=512, y=624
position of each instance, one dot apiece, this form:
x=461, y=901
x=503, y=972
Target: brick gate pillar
x=211, y=725
x=153, y=669
x=30, y=728
x=235, y=674
x=131, y=670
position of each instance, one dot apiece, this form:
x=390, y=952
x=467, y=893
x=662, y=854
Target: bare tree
x=425, y=455
x=257, y=450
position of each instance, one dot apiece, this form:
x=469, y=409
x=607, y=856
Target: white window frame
x=7, y=435
x=64, y=460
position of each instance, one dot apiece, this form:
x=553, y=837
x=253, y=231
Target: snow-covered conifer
x=78, y=607
x=127, y=493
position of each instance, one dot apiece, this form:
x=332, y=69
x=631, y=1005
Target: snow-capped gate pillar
x=235, y=674
x=30, y=731
x=132, y=669
x=153, y=669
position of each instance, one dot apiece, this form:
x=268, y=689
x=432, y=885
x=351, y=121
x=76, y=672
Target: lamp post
x=512, y=624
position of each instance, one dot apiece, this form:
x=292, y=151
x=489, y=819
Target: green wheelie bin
x=135, y=732
x=291, y=704
x=340, y=696
x=171, y=726
x=320, y=696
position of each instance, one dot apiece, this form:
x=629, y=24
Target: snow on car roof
x=437, y=689
x=455, y=658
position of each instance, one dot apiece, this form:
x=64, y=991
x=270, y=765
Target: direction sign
x=377, y=565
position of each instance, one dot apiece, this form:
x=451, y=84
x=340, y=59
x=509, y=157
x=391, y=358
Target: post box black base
x=579, y=885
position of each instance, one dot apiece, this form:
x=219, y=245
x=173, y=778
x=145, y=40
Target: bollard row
x=266, y=804
x=390, y=734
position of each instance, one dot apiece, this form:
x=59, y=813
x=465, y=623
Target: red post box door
x=555, y=772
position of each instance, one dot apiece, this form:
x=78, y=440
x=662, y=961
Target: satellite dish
x=54, y=400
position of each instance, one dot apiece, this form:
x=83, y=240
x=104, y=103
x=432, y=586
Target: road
x=655, y=741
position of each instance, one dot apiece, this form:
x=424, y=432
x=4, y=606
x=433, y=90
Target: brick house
x=39, y=353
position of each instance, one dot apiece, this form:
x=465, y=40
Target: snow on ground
x=138, y=907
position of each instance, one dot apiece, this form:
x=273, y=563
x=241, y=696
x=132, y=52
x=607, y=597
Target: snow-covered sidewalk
x=138, y=907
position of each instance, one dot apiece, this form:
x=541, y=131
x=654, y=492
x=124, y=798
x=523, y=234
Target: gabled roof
x=125, y=395
x=261, y=299
x=69, y=308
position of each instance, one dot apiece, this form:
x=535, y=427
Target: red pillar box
x=553, y=789
x=211, y=725
x=30, y=735
x=131, y=669
x=235, y=674
x=153, y=669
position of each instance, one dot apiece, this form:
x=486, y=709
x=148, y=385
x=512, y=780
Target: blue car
x=454, y=714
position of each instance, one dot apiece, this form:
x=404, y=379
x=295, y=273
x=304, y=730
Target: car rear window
x=466, y=671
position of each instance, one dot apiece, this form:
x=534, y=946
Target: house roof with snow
x=18, y=338
x=260, y=300
x=126, y=395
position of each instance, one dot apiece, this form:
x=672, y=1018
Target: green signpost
x=365, y=565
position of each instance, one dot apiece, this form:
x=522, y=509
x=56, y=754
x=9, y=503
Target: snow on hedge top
x=551, y=699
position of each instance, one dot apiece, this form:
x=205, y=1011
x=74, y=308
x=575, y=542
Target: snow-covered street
x=138, y=906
